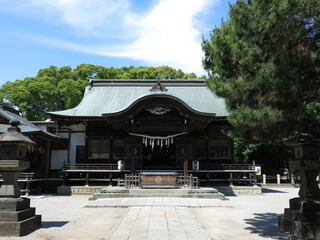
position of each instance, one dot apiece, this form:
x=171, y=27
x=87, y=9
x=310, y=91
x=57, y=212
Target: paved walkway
x=156, y=222
x=156, y=201
x=251, y=217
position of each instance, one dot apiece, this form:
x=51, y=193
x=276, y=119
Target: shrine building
x=151, y=125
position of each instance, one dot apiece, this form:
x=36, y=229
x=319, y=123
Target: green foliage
x=272, y=156
x=62, y=88
x=265, y=62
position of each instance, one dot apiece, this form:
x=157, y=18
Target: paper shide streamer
x=157, y=140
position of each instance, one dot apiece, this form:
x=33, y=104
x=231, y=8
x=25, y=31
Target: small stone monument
x=302, y=219
x=16, y=216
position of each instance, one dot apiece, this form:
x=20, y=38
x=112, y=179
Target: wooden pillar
x=231, y=151
x=185, y=161
x=47, y=158
x=132, y=160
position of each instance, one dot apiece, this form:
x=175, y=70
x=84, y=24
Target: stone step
x=114, y=190
x=203, y=190
x=110, y=195
x=176, y=193
x=104, y=195
x=153, y=192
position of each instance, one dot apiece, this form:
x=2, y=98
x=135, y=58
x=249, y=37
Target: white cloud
x=168, y=34
x=87, y=16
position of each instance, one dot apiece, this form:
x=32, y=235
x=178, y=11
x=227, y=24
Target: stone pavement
x=158, y=218
x=158, y=223
x=157, y=201
x=249, y=217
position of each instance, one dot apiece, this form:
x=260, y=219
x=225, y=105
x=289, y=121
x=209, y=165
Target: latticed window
x=200, y=149
x=98, y=148
x=219, y=149
x=118, y=148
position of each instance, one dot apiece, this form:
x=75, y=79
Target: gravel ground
x=246, y=217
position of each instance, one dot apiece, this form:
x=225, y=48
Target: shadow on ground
x=51, y=224
x=266, y=225
x=226, y=190
x=268, y=190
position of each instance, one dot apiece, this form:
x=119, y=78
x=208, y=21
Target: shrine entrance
x=159, y=157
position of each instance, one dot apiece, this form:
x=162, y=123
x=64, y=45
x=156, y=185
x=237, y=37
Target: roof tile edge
x=146, y=82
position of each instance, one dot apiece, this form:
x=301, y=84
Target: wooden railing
x=226, y=166
x=232, y=173
x=208, y=173
x=188, y=181
x=91, y=166
x=85, y=172
x=30, y=184
x=133, y=181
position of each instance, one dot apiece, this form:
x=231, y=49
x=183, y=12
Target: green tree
x=56, y=89
x=273, y=156
x=51, y=90
x=265, y=62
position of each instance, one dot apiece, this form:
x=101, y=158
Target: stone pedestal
x=302, y=219
x=17, y=218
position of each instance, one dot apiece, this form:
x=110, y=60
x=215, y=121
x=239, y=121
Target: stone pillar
x=264, y=179
x=278, y=179
x=16, y=216
x=302, y=218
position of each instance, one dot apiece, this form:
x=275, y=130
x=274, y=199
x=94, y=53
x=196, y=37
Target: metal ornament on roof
x=158, y=87
x=159, y=110
x=157, y=140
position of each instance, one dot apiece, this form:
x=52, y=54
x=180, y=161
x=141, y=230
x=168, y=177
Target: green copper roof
x=112, y=96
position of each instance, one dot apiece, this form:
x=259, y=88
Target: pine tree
x=265, y=62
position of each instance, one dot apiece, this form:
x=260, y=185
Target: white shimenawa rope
x=157, y=140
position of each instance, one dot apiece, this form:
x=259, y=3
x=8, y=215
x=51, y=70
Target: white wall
x=63, y=134
x=58, y=157
x=75, y=139
x=78, y=127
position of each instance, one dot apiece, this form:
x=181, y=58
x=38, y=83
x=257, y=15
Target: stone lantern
x=302, y=219
x=16, y=216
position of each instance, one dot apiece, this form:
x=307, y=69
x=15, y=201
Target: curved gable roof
x=112, y=96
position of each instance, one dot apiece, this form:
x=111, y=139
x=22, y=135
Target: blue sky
x=114, y=33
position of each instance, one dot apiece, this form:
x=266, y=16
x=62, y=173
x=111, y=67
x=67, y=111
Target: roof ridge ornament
x=158, y=110
x=158, y=87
